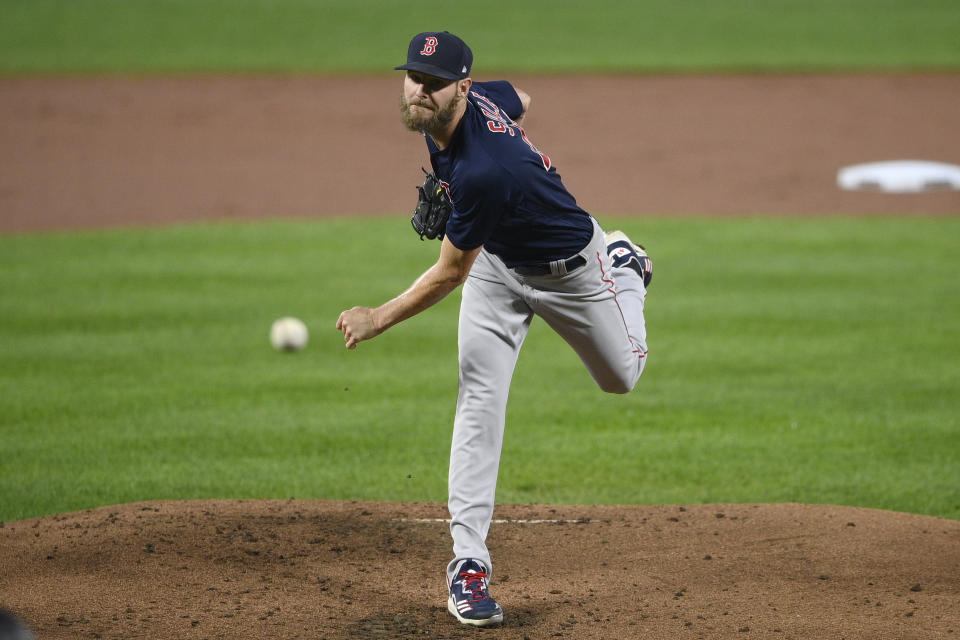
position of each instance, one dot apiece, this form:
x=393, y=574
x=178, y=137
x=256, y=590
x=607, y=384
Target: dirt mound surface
x=78, y=152
x=313, y=569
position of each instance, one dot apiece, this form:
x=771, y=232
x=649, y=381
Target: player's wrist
x=379, y=320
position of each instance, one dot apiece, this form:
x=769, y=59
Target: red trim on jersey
x=499, y=122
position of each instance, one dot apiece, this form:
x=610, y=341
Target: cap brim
x=428, y=69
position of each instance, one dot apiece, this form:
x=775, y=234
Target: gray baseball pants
x=598, y=310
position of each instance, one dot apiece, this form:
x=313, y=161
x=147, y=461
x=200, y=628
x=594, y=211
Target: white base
x=900, y=176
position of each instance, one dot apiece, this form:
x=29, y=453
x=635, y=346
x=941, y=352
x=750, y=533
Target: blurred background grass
x=349, y=36
x=790, y=360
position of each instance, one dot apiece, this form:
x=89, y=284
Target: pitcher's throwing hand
x=357, y=324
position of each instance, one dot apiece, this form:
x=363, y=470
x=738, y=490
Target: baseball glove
x=433, y=208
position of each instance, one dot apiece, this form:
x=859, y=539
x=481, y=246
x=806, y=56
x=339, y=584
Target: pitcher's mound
x=311, y=569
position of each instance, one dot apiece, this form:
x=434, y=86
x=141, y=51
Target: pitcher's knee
x=618, y=389
x=618, y=385
x=619, y=382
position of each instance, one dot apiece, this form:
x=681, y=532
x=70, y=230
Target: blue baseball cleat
x=469, y=601
x=632, y=256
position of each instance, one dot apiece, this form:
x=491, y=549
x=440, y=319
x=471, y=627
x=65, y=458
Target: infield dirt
x=84, y=152
x=310, y=569
x=123, y=151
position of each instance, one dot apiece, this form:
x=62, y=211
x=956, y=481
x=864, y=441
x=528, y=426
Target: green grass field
x=349, y=36
x=790, y=360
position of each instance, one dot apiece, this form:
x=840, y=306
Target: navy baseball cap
x=440, y=54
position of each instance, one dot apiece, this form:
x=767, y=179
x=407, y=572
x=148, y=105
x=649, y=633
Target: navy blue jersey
x=506, y=194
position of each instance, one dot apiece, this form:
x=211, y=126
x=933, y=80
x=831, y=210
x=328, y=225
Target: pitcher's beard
x=436, y=122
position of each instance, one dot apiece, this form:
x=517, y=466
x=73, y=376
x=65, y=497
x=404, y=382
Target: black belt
x=556, y=267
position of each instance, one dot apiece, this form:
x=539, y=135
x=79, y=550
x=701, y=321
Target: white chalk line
x=500, y=521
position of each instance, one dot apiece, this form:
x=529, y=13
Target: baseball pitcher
x=517, y=241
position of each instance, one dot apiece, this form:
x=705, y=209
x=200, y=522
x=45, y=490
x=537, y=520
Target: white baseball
x=288, y=334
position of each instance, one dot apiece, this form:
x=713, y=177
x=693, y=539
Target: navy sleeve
x=504, y=96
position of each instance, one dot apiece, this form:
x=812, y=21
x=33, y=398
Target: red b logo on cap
x=429, y=47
